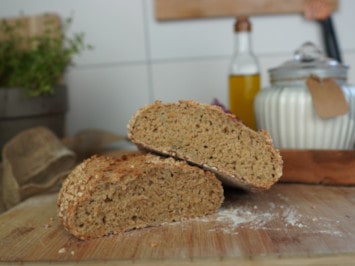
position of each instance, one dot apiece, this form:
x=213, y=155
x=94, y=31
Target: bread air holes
x=211, y=194
x=234, y=165
x=107, y=199
x=134, y=218
x=226, y=130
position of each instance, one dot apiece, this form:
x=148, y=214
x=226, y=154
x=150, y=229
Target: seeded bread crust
x=106, y=195
x=206, y=136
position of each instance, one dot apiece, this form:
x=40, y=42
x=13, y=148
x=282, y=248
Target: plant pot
x=19, y=112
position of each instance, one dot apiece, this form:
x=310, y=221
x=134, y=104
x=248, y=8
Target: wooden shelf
x=193, y=9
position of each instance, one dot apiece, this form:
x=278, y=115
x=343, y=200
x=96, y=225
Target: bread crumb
x=153, y=245
x=49, y=224
x=62, y=251
x=72, y=252
x=153, y=174
x=169, y=128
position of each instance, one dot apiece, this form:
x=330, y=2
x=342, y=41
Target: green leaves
x=36, y=63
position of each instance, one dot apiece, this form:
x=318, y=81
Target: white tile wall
x=138, y=59
x=199, y=79
x=106, y=97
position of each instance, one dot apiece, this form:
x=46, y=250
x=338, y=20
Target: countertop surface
x=290, y=224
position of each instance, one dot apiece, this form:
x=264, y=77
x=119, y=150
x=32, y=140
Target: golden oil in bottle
x=242, y=91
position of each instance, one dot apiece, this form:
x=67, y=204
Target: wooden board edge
x=187, y=9
x=327, y=167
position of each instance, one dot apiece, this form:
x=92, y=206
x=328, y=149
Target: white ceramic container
x=286, y=111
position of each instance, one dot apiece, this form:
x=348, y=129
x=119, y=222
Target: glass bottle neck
x=243, y=42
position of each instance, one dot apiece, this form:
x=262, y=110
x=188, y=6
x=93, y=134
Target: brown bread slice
x=106, y=195
x=205, y=135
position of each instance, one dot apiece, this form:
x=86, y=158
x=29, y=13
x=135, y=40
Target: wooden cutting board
x=187, y=9
x=290, y=222
x=328, y=167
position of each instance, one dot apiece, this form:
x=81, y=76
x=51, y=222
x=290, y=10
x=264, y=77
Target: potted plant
x=34, y=53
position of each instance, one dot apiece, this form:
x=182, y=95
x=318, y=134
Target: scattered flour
x=276, y=218
x=292, y=217
x=233, y=218
x=269, y=217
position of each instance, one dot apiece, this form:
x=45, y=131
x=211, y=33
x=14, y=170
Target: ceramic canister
x=288, y=108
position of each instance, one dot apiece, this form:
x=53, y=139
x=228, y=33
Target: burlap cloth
x=36, y=161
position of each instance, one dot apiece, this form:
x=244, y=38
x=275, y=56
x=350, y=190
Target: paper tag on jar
x=328, y=98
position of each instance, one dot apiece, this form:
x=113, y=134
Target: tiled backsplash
x=137, y=59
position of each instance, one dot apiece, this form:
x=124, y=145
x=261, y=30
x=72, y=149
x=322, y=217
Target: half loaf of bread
x=205, y=135
x=106, y=195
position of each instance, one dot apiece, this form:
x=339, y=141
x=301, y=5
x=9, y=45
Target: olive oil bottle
x=244, y=76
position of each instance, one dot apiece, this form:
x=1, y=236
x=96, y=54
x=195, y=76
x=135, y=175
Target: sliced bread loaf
x=106, y=195
x=205, y=135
